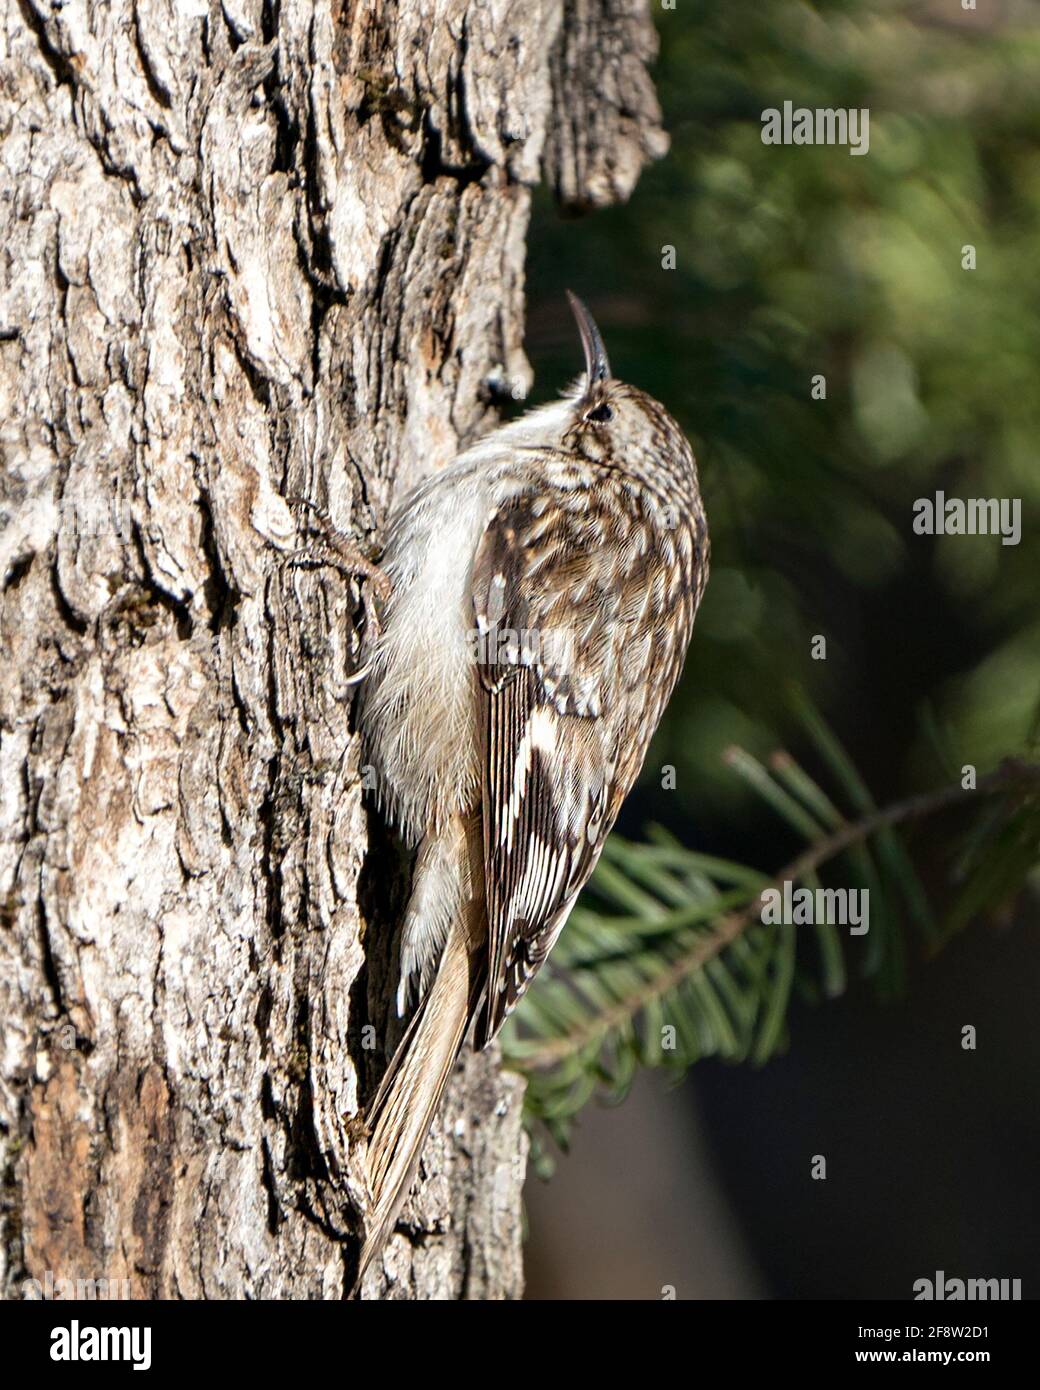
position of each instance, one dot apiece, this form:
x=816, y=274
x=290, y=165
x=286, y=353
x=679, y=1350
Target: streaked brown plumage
x=543, y=592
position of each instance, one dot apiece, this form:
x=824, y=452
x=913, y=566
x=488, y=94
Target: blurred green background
x=791, y=262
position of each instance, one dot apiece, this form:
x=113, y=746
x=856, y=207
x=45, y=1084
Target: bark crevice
x=251, y=254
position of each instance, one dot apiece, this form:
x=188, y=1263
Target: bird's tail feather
x=411, y=1091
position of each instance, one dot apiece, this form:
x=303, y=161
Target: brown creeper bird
x=543, y=591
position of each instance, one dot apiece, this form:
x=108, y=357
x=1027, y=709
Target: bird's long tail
x=411, y=1091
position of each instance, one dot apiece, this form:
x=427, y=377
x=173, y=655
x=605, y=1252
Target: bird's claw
x=341, y=553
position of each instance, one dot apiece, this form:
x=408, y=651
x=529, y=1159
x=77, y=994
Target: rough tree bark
x=250, y=251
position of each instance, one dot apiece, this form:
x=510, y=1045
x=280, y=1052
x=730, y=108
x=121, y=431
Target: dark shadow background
x=793, y=261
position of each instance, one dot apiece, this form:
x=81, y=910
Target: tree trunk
x=252, y=252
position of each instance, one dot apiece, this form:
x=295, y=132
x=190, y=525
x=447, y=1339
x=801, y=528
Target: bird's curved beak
x=597, y=367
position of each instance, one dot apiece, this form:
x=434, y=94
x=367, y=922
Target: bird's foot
x=340, y=552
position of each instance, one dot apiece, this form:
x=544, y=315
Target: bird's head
x=618, y=425
x=606, y=423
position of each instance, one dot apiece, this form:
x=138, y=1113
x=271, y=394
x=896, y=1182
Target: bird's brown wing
x=568, y=654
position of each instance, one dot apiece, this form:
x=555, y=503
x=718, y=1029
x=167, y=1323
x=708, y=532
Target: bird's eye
x=601, y=414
